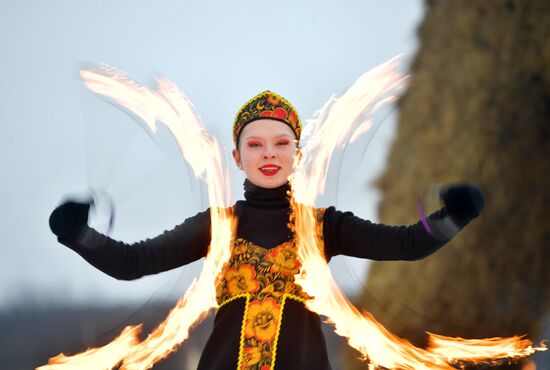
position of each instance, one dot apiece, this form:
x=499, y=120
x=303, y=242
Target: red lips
x=270, y=169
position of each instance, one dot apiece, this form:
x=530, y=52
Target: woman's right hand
x=69, y=218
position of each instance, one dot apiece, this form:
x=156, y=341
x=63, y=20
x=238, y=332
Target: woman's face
x=266, y=152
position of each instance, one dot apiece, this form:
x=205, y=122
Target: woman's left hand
x=463, y=201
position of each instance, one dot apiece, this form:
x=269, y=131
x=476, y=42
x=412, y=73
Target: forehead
x=266, y=128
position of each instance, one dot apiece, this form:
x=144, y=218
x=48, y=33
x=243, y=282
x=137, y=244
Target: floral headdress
x=266, y=105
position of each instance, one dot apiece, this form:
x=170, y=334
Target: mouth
x=270, y=169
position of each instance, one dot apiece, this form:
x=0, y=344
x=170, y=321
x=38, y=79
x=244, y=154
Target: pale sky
x=59, y=139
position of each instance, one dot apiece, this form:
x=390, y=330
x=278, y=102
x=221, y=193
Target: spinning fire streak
x=340, y=121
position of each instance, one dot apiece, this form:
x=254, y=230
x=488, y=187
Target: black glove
x=69, y=218
x=463, y=201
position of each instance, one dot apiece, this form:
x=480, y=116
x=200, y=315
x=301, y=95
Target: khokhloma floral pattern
x=265, y=278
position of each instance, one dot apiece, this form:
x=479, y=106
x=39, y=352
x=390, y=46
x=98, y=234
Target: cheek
x=289, y=156
x=248, y=158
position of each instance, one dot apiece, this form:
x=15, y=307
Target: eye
x=253, y=144
x=283, y=142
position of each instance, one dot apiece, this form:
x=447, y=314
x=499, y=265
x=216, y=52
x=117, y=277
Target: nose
x=269, y=152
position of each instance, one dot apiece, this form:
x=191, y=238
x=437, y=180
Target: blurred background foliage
x=478, y=111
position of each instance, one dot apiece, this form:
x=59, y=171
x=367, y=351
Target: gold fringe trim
x=243, y=325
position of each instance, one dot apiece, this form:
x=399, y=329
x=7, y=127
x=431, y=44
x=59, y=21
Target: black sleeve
x=350, y=235
x=184, y=244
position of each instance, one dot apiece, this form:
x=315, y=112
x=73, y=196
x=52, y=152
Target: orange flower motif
x=242, y=280
x=266, y=113
x=262, y=320
x=284, y=260
x=266, y=367
x=279, y=113
x=251, y=356
x=273, y=100
x=293, y=118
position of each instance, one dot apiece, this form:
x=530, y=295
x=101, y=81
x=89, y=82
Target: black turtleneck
x=263, y=220
x=263, y=216
x=258, y=197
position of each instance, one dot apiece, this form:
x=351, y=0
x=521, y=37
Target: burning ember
x=340, y=121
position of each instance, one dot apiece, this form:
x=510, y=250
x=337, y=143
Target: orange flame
x=97, y=358
x=170, y=106
x=332, y=130
x=482, y=350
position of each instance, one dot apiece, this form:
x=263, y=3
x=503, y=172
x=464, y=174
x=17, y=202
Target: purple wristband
x=423, y=219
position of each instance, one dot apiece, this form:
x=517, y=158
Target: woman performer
x=262, y=322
